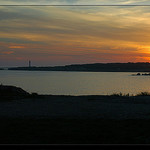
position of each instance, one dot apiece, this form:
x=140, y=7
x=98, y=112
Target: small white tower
x=29, y=63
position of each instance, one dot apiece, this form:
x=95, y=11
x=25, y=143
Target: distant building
x=29, y=63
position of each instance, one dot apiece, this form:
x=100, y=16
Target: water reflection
x=76, y=83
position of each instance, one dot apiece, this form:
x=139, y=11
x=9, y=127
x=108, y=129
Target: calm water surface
x=76, y=83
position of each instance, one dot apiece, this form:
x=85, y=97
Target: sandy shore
x=79, y=107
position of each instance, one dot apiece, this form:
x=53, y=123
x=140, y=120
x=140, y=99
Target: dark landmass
x=74, y=131
x=141, y=74
x=97, y=67
x=8, y=92
x=21, y=120
x=12, y=92
x=1, y=69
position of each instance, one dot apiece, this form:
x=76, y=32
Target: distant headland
x=96, y=67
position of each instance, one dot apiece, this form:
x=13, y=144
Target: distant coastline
x=96, y=67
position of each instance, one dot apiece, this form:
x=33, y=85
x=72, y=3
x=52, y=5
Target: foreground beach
x=52, y=119
x=77, y=107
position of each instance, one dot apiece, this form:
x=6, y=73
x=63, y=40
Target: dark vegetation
x=74, y=131
x=131, y=95
x=143, y=94
x=97, y=67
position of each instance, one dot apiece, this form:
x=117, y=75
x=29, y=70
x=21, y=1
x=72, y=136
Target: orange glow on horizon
x=68, y=35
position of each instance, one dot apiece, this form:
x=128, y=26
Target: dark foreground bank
x=74, y=131
x=50, y=119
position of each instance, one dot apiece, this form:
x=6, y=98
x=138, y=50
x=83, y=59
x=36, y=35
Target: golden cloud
x=79, y=31
x=8, y=52
x=16, y=46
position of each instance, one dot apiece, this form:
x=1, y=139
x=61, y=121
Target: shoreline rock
x=12, y=92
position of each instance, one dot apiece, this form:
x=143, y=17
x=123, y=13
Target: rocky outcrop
x=12, y=92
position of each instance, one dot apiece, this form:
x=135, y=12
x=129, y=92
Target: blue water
x=76, y=83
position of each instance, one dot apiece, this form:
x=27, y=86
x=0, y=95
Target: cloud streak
x=75, y=2
x=53, y=34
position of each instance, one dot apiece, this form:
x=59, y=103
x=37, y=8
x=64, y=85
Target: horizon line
x=69, y=5
x=77, y=64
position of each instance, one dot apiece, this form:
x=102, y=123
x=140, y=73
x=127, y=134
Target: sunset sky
x=59, y=35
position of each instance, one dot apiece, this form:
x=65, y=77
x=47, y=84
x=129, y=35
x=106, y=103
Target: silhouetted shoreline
x=97, y=67
x=30, y=118
x=8, y=92
x=32, y=105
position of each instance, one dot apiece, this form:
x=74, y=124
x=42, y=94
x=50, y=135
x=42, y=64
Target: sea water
x=76, y=83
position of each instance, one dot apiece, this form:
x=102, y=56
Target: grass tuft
x=128, y=95
x=143, y=94
x=120, y=94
